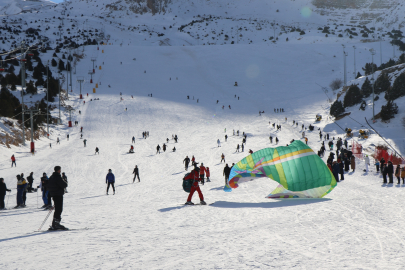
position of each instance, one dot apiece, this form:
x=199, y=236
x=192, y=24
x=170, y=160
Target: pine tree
x=398, y=88
x=358, y=75
x=53, y=62
x=389, y=110
x=353, y=96
x=368, y=68
x=382, y=84
x=31, y=89
x=366, y=88
x=37, y=73
x=337, y=108
x=61, y=65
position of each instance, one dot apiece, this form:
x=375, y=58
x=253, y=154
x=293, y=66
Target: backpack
x=187, y=184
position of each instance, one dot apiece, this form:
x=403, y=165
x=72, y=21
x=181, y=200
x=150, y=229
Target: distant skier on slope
x=186, y=161
x=158, y=149
x=136, y=173
x=110, y=180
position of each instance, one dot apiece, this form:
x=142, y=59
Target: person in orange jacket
x=207, y=174
x=194, y=175
x=202, y=172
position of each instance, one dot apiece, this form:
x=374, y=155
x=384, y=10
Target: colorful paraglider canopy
x=299, y=171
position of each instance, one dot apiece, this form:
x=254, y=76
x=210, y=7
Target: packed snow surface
x=145, y=225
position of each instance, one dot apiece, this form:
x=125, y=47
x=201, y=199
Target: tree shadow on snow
x=277, y=204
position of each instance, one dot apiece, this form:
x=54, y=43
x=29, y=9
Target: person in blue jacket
x=21, y=185
x=110, y=180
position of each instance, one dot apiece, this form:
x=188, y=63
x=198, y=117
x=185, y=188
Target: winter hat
x=18, y=177
x=44, y=174
x=109, y=170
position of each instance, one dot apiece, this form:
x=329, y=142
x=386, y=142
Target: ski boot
x=203, y=203
x=57, y=226
x=189, y=203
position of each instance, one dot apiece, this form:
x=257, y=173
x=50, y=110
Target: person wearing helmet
x=194, y=175
x=110, y=180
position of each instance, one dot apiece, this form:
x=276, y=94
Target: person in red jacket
x=13, y=161
x=207, y=174
x=194, y=175
x=202, y=172
x=193, y=160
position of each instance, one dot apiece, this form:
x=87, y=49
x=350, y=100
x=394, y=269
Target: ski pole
x=37, y=198
x=50, y=211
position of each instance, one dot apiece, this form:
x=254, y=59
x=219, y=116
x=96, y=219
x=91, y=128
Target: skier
x=271, y=139
x=84, y=142
x=67, y=137
x=306, y=140
x=13, y=161
x=158, y=149
x=237, y=148
x=223, y=157
x=243, y=148
x=237, y=132
x=175, y=138
x=81, y=129
x=30, y=179
x=194, y=175
x=81, y=136
x=164, y=147
x=20, y=189
x=97, y=152
x=390, y=168
x=192, y=160
x=219, y=143
x=57, y=141
x=3, y=189
x=136, y=172
x=56, y=186
x=276, y=140
x=229, y=106
x=207, y=174
x=226, y=173
x=133, y=139
x=226, y=138
x=174, y=149
x=167, y=140
x=186, y=161
x=24, y=196
x=110, y=180
x=202, y=172
x=131, y=150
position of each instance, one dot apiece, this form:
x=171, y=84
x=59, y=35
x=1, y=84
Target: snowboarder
x=194, y=175
x=226, y=173
x=223, y=157
x=84, y=142
x=158, y=149
x=56, y=186
x=13, y=161
x=110, y=180
x=207, y=174
x=3, y=189
x=136, y=173
x=97, y=151
x=131, y=150
x=186, y=161
x=219, y=143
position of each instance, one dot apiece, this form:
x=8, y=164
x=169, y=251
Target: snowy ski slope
x=145, y=225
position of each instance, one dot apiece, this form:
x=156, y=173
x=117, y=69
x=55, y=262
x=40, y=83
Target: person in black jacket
x=390, y=168
x=56, y=186
x=45, y=193
x=226, y=173
x=3, y=189
x=30, y=180
x=186, y=161
x=384, y=171
x=136, y=172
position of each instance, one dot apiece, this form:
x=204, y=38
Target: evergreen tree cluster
x=337, y=108
x=8, y=103
x=389, y=110
x=353, y=96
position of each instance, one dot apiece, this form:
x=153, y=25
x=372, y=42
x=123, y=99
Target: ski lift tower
x=33, y=109
x=94, y=59
x=80, y=79
x=91, y=76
